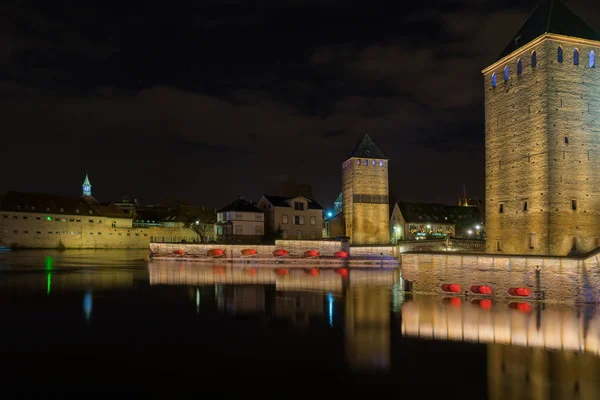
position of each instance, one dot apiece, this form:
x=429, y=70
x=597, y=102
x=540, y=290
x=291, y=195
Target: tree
x=202, y=226
x=271, y=237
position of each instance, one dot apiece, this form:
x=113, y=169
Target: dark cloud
x=207, y=100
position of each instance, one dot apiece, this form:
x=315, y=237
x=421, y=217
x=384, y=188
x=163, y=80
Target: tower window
x=592, y=63
x=559, y=55
x=574, y=205
x=381, y=163
x=501, y=208
x=534, y=59
x=494, y=79
x=366, y=163
x=531, y=241
x=525, y=205
x=519, y=67
x=506, y=74
x=575, y=57
x=498, y=245
x=566, y=140
x=358, y=162
x=373, y=162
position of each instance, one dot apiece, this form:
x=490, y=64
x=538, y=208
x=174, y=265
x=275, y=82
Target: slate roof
x=440, y=213
x=550, y=16
x=280, y=201
x=48, y=203
x=181, y=213
x=241, y=205
x=367, y=149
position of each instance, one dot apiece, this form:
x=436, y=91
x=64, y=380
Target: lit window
x=575, y=57
x=373, y=162
x=494, y=79
x=534, y=59
x=592, y=59
x=506, y=74
x=358, y=162
x=366, y=163
x=560, y=54
x=519, y=67
x=381, y=163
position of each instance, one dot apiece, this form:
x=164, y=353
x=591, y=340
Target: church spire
x=87, y=186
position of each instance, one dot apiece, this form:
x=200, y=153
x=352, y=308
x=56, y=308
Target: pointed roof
x=550, y=16
x=367, y=149
x=86, y=181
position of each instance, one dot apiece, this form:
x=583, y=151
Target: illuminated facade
x=542, y=117
x=365, y=195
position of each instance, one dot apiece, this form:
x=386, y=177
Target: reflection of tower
x=368, y=327
x=531, y=373
x=87, y=186
x=365, y=195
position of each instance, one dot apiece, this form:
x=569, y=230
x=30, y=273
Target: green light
x=49, y=268
x=49, y=262
x=48, y=218
x=49, y=283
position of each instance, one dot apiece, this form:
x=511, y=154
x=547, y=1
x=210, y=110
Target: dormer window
x=299, y=206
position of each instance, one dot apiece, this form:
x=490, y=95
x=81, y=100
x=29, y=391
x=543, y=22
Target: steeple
x=87, y=186
x=367, y=149
x=550, y=16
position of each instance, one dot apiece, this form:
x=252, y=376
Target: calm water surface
x=91, y=322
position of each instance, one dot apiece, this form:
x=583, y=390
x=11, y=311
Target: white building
x=240, y=221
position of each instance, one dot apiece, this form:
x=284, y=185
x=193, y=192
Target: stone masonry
x=542, y=136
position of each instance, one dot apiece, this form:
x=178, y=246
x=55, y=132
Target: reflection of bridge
x=553, y=327
x=293, y=279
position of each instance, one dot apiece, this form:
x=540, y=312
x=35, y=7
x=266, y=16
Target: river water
x=81, y=323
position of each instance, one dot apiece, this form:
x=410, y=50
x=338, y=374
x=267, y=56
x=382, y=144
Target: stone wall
x=366, y=223
x=374, y=251
x=541, y=141
x=200, y=249
x=298, y=247
x=554, y=279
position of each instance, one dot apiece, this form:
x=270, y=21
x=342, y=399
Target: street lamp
x=329, y=214
x=469, y=232
x=477, y=227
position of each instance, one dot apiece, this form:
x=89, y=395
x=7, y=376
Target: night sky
x=208, y=100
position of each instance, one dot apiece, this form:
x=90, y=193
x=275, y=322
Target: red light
x=486, y=304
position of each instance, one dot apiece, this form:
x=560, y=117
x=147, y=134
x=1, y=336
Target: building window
x=284, y=219
x=38, y=218
x=498, y=245
x=531, y=241
x=258, y=217
x=57, y=219
x=299, y=235
x=506, y=73
x=16, y=232
x=525, y=205
x=15, y=217
x=99, y=221
x=258, y=230
x=298, y=220
x=574, y=243
x=24, y=217
x=358, y=162
x=566, y=140
x=38, y=232
x=313, y=220
x=49, y=232
x=91, y=221
x=78, y=220
x=575, y=57
x=501, y=209
x=381, y=163
x=519, y=67
x=313, y=235
x=574, y=205
x=238, y=229
x=559, y=55
x=592, y=62
x=494, y=79
x=298, y=206
x=238, y=215
x=534, y=59
x=373, y=162
x=26, y=232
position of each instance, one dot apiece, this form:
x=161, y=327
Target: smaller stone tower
x=87, y=186
x=365, y=194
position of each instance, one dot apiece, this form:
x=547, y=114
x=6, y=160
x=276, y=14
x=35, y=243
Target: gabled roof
x=339, y=199
x=48, y=203
x=367, y=149
x=428, y=212
x=241, y=205
x=550, y=16
x=181, y=213
x=280, y=201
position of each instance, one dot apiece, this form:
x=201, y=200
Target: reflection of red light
x=219, y=270
x=252, y=271
x=486, y=304
x=455, y=301
x=342, y=271
x=314, y=272
x=524, y=307
x=282, y=272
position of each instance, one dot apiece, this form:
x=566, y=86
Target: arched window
x=560, y=54
x=534, y=59
x=575, y=57
x=592, y=59
x=506, y=74
x=494, y=79
x=519, y=67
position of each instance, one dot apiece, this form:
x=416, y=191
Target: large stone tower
x=542, y=137
x=365, y=194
